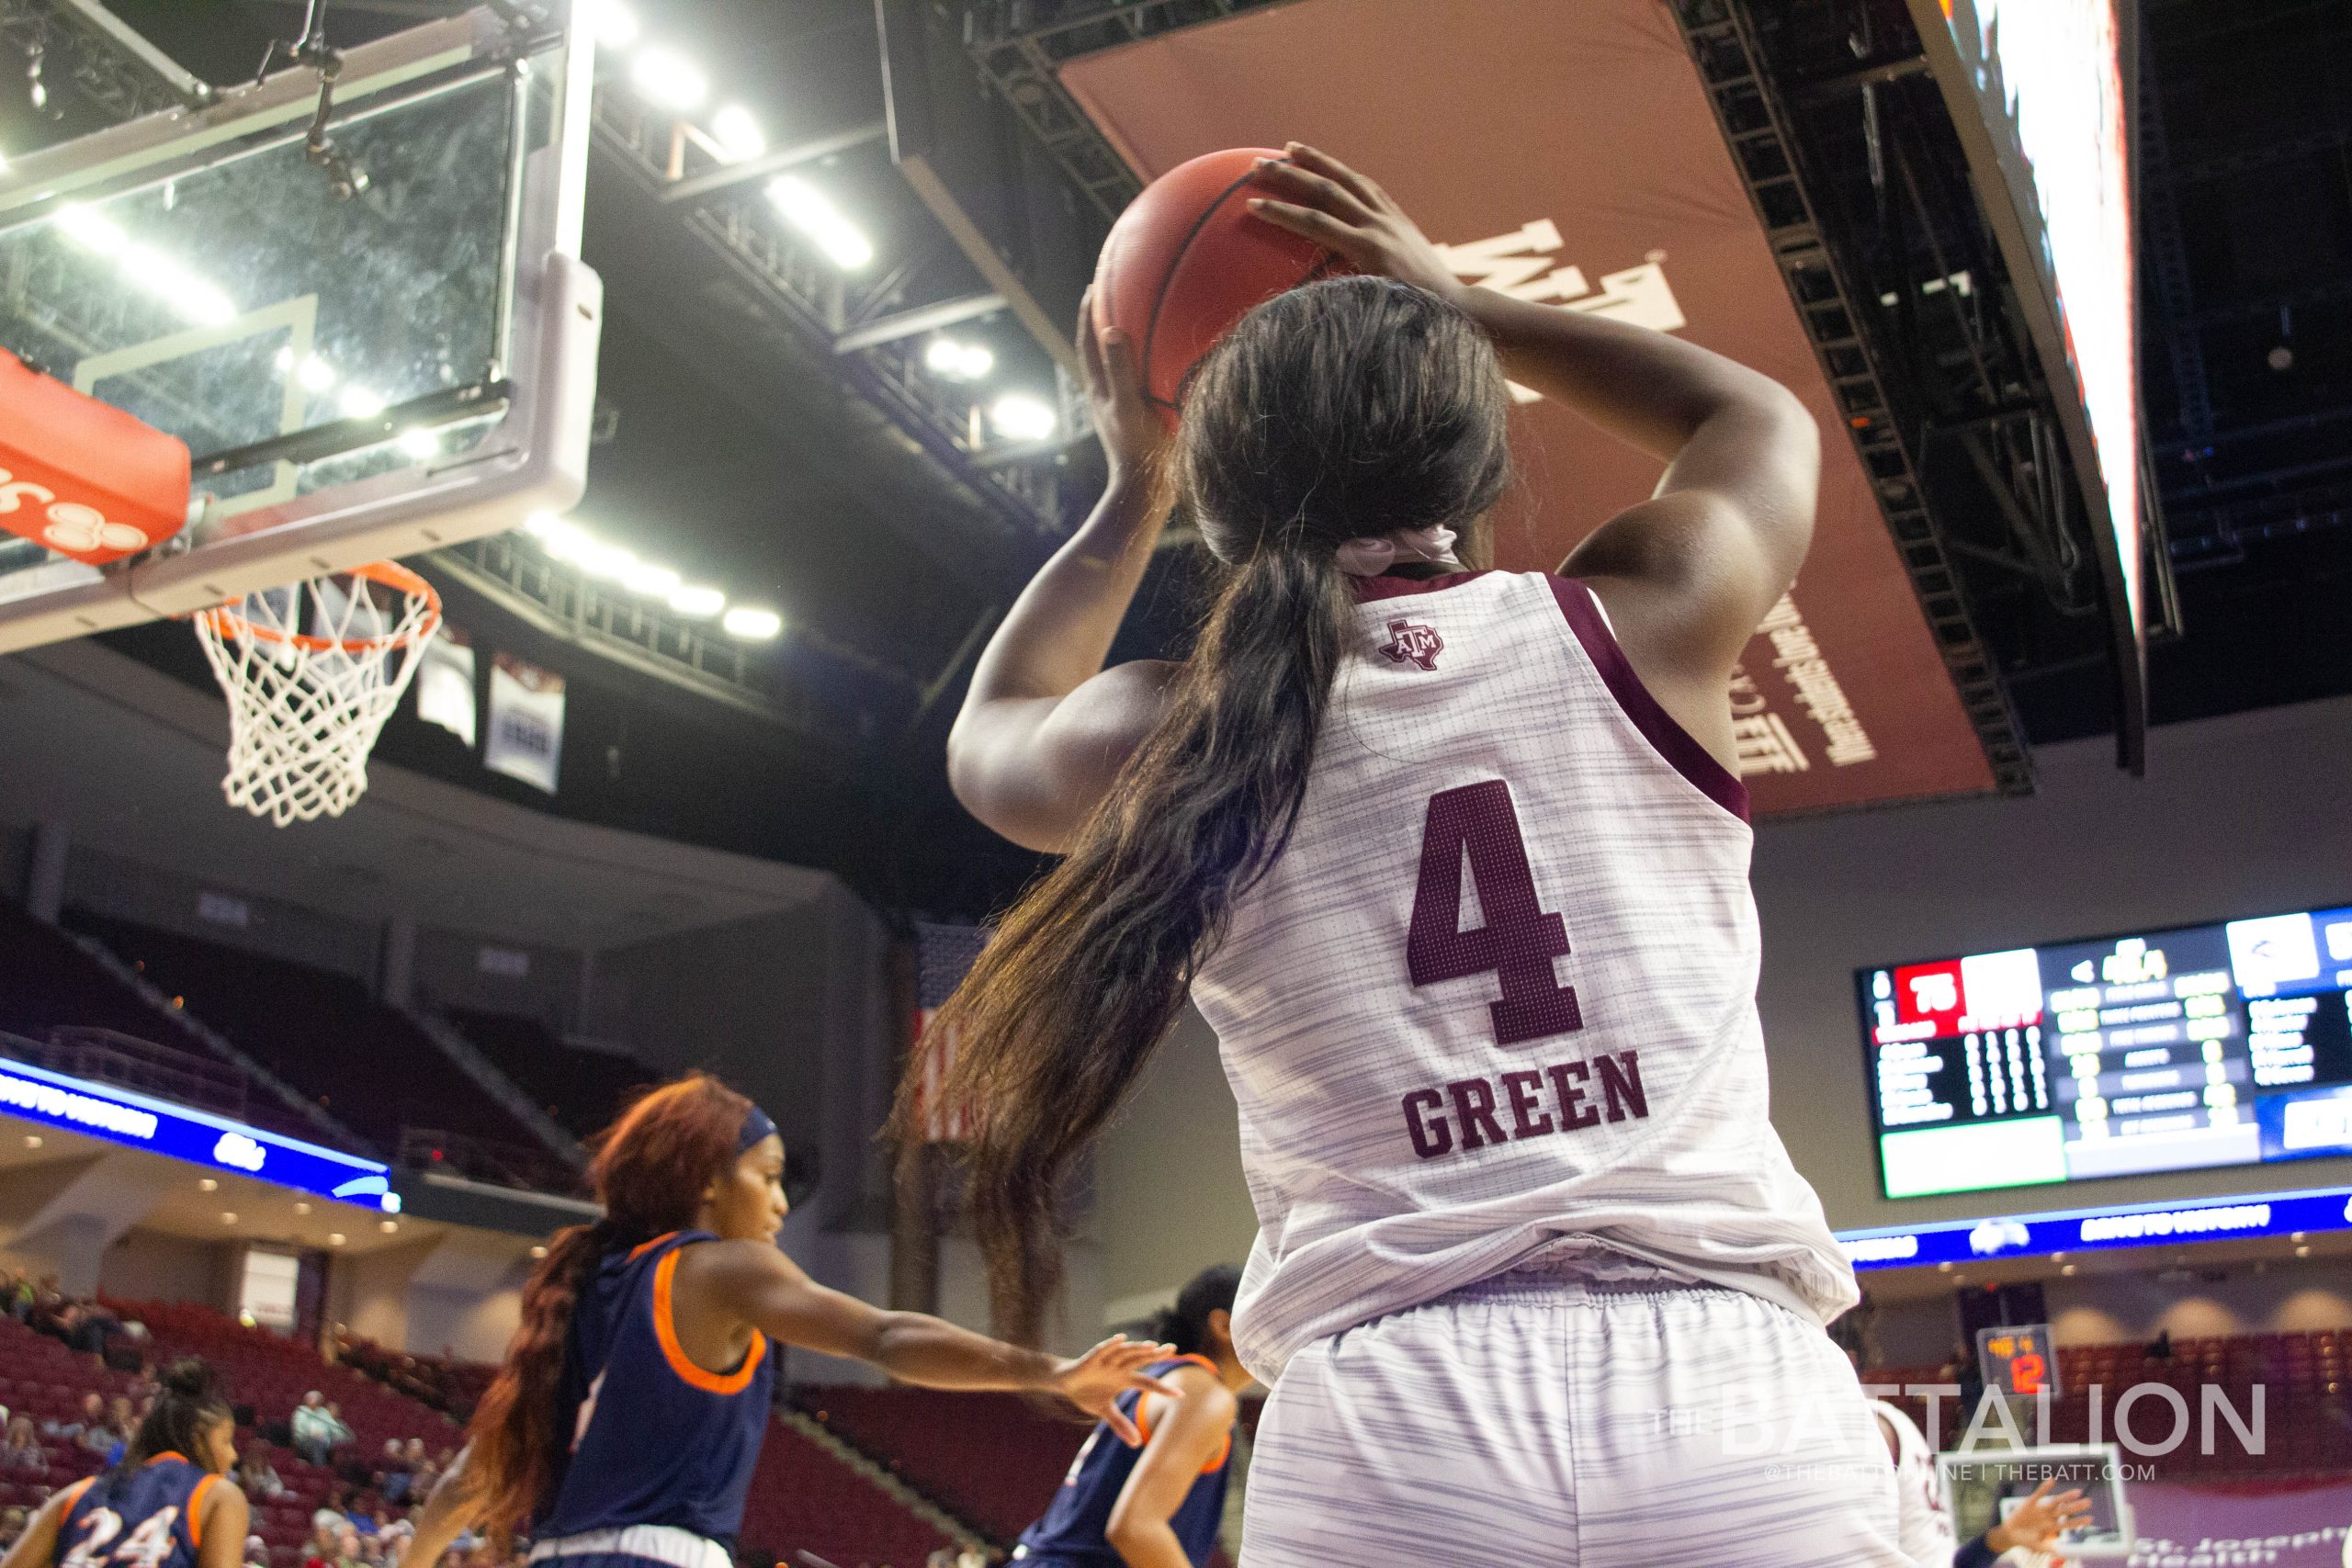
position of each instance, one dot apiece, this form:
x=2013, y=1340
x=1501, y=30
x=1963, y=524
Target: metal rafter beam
x=921, y=318
x=774, y=162
x=1748, y=108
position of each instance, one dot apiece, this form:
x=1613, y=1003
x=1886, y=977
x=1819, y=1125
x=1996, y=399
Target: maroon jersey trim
x=1371, y=588
x=1673, y=742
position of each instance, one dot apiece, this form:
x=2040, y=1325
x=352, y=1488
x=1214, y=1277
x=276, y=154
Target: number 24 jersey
x=1498, y=995
x=151, y=1516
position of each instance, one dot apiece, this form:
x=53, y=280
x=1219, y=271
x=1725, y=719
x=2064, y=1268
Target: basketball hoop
x=311, y=672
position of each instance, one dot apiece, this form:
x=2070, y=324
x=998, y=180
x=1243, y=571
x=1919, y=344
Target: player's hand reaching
x=1317, y=198
x=2039, y=1520
x=1134, y=439
x=1095, y=1381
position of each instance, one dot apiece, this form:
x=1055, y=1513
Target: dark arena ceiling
x=740, y=444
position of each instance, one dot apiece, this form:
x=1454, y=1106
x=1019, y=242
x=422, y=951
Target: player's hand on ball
x=1095, y=1381
x=2039, y=1520
x=1133, y=437
x=1317, y=198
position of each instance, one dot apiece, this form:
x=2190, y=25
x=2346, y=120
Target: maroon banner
x=1567, y=154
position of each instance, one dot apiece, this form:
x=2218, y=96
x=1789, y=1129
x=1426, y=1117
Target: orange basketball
x=1186, y=260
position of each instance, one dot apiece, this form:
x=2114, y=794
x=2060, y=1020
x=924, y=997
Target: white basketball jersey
x=1500, y=991
x=1924, y=1523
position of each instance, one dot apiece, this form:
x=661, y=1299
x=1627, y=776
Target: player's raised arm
x=1686, y=575
x=1045, y=728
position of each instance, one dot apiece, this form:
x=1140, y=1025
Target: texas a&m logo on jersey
x=1409, y=642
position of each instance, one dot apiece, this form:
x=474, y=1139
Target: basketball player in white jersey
x=1455, y=862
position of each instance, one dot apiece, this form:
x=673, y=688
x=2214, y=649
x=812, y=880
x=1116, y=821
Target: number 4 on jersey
x=1518, y=941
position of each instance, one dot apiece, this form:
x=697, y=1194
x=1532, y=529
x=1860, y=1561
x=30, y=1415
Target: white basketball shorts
x=1553, y=1419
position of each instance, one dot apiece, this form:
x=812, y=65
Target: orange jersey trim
x=1143, y=1421
x=642, y=1247
x=72, y=1494
x=665, y=1331
x=196, y=1509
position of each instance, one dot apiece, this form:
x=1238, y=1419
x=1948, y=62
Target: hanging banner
x=445, y=684
x=525, y=739
x=1566, y=154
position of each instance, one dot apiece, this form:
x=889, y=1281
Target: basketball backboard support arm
x=532, y=329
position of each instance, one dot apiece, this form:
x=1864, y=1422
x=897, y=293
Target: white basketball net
x=311, y=672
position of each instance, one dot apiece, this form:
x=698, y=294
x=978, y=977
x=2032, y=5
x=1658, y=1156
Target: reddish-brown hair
x=650, y=1170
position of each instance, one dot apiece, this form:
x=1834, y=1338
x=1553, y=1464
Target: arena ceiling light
x=358, y=402
x=812, y=212
x=960, y=361
x=147, y=267
x=653, y=581
x=1017, y=416
x=611, y=24
x=668, y=80
x=418, y=443
x=751, y=624
x=737, y=134
x=699, y=603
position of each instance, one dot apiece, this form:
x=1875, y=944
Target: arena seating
x=49, y=985
x=451, y=1387
x=382, y=1073
x=992, y=1459
x=581, y=1090
x=805, y=1499
x=40, y=1378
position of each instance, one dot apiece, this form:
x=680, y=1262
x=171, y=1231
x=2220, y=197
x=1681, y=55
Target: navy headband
x=757, y=1124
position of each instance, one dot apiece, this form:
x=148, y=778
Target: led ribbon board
x=2094, y=1230
x=102, y=1112
x=2036, y=91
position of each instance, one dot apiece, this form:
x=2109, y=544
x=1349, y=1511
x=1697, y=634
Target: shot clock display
x=2018, y=1361
x=2165, y=1050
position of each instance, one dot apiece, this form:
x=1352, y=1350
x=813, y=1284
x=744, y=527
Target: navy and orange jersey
x=654, y=1438
x=147, y=1517
x=1075, y=1525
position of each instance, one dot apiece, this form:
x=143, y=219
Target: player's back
x=143, y=1515
x=1499, y=987
x=1075, y=1525
x=656, y=1441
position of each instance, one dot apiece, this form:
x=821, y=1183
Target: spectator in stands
x=347, y=1550
x=318, y=1429
x=22, y=1450
x=257, y=1477
x=17, y=1295
x=94, y=1414
x=326, y=1532
x=256, y=1552
x=12, y=1525
x=392, y=1475
x=2160, y=1347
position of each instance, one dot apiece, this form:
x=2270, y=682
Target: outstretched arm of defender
x=763, y=1288
x=1687, y=574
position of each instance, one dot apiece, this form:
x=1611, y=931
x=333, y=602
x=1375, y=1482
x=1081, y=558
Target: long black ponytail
x=1342, y=409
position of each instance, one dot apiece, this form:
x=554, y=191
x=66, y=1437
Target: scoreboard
x=2167, y=1050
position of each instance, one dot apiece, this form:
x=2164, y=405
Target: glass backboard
x=357, y=375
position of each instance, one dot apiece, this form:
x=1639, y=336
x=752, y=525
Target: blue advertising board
x=2091, y=1230
x=101, y=1111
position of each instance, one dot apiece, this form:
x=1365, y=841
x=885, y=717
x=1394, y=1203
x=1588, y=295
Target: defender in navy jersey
x=167, y=1504
x=625, y=1424
x=1161, y=1506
